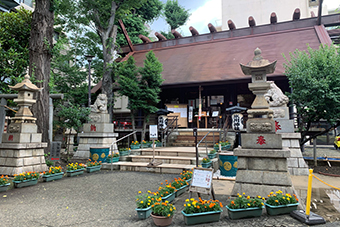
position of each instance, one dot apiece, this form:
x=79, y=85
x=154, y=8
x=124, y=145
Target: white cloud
x=210, y=12
x=332, y=4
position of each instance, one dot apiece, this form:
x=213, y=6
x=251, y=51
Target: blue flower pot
x=181, y=190
x=143, y=213
x=72, y=173
x=115, y=159
x=135, y=146
x=93, y=168
x=169, y=198
x=26, y=183
x=4, y=187
x=244, y=213
x=199, y=218
x=281, y=209
x=206, y=165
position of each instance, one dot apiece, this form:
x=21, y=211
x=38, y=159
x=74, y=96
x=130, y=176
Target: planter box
x=181, y=190
x=52, y=177
x=169, y=198
x=21, y=184
x=93, y=168
x=223, y=148
x=199, y=218
x=115, y=159
x=135, y=146
x=4, y=187
x=189, y=181
x=206, y=165
x=143, y=213
x=72, y=173
x=145, y=145
x=124, y=153
x=158, y=144
x=211, y=156
x=244, y=213
x=282, y=209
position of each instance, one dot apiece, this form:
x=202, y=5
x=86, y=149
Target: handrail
x=206, y=148
x=111, y=146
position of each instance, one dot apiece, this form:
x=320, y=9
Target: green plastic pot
x=52, y=177
x=199, y=218
x=115, y=159
x=72, y=173
x=4, y=187
x=169, y=198
x=143, y=213
x=93, y=168
x=211, y=156
x=244, y=213
x=135, y=146
x=206, y=165
x=21, y=184
x=181, y=190
x=281, y=209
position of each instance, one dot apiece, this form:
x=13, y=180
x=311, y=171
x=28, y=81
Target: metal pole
x=314, y=152
x=309, y=191
x=89, y=101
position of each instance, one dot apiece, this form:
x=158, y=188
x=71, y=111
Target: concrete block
x=295, y=143
x=255, y=189
x=28, y=169
x=31, y=161
x=93, y=140
x=2, y=161
x=291, y=171
x=301, y=172
x=286, y=143
x=261, y=141
x=291, y=135
x=242, y=163
x=5, y=171
x=277, y=178
x=302, y=163
x=265, y=153
x=284, y=126
x=295, y=152
x=261, y=164
x=248, y=176
x=37, y=152
x=36, y=137
x=14, y=162
x=6, y=153
x=292, y=162
x=260, y=125
x=99, y=117
x=281, y=165
x=22, y=153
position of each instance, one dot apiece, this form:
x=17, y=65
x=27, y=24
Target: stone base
x=21, y=138
x=261, y=141
x=284, y=125
x=18, y=158
x=87, y=140
x=296, y=164
x=98, y=128
x=261, y=171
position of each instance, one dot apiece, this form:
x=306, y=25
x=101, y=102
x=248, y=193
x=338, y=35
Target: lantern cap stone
x=25, y=85
x=258, y=64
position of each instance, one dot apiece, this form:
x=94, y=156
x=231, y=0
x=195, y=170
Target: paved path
x=106, y=199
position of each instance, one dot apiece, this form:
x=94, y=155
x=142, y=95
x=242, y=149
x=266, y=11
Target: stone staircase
x=185, y=138
x=174, y=160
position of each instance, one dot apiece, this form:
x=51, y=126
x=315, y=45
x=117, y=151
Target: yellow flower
x=185, y=205
x=262, y=204
x=141, y=202
x=259, y=197
x=248, y=197
x=187, y=200
x=170, y=209
x=148, y=204
x=139, y=192
x=248, y=204
x=189, y=205
x=149, y=191
x=244, y=193
x=240, y=196
x=192, y=199
x=271, y=193
x=263, y=198
x=168, y=215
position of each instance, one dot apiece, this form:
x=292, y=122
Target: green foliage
x=14, y=42
x=168, y=35
x=150, y=10
x=175, y=15
x=73, y=116
x=150, y=83
x=314, y=78
x=48, y=160
x=193, y=206
x=134, y=26
x=244, y=202
x=278, y=198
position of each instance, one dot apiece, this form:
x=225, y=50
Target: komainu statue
x=275, y=96
x=100, y=105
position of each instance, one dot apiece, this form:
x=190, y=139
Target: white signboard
x=153, y=132
x=202, y=178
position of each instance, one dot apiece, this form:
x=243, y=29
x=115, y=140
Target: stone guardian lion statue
x=275, y=96
x=100, y=105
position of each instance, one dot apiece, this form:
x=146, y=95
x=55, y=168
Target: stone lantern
x=21, y=149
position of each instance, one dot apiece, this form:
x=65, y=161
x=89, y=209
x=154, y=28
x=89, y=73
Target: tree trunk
x=40, y=48
x=133, y=125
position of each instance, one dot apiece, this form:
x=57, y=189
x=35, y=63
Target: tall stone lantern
x=262, y=162
x=21, y=148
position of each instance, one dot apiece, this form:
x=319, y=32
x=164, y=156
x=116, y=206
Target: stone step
x=166, y=159
x=142, y=167
x=172, y=151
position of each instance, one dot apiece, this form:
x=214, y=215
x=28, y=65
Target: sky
x=204, y=12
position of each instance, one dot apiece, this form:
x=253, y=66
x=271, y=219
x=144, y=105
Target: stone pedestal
x=17, y=158
x=261, y=171
x=97, y=133
x=70, y=133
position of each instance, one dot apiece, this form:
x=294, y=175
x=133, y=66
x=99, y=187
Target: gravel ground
x=104, y=198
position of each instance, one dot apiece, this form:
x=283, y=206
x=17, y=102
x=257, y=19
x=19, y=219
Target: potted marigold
x=135, y=145
x=181, y=186
x=144, y=202
x=202, y=211
x=186, y=175
x=212, y=154
x=54, y=173
x=166, y=192
x=146, y=144
x=25, y=179
x=113, y=157
x=206, y=162
x=245, y=207
x=225, y=145
x=124, y=151
x=93, y=166
x=74, y=169
x=279, y=203
x=4, y=183
x=162, y=212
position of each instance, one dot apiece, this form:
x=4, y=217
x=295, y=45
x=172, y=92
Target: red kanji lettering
x=93, y=128
x=10, y=138
x=261, y=140
x=277, y=126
